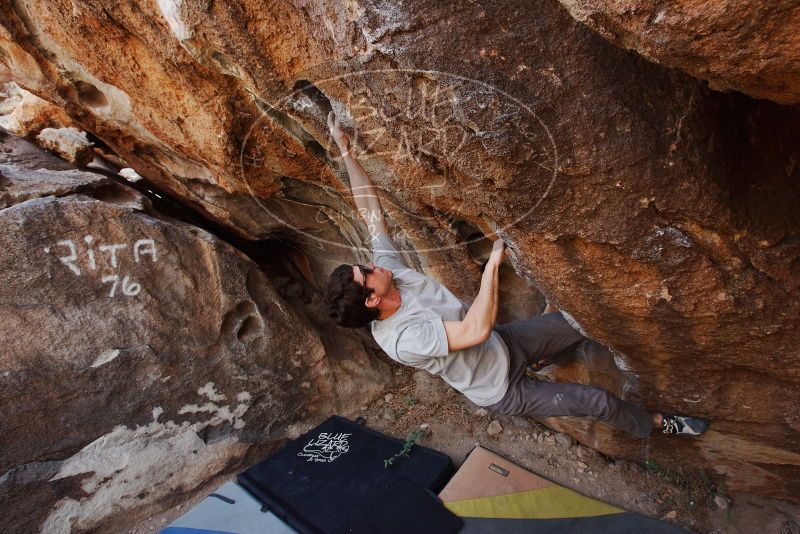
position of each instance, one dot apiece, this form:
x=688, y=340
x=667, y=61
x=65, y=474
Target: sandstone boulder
x=143, y=358
x=69, y=143
x=660, y=215
x=26, y=173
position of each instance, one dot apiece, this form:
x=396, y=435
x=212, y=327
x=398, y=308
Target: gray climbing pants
x=551, y=336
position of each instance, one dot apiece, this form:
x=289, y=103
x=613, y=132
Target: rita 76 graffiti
x=86, y=258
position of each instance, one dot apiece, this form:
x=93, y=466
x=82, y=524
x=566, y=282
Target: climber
x=419, y=322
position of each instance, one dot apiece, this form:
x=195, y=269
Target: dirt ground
x=454, y=426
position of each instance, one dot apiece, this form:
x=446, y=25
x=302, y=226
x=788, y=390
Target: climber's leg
x=537, y=398
x=542, y=339
x=549, y=335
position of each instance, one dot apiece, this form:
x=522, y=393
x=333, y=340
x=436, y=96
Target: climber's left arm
x=365, y=194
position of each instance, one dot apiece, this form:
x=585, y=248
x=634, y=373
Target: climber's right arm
x=365, y=194
x=476, y=327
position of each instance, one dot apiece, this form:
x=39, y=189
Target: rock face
x=746, y=46
x=142, y=357
x=25, y=114
x=741, y=45
x=27, y=173
x=661, y=216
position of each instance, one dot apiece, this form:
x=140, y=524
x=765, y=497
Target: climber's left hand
x=338, y=133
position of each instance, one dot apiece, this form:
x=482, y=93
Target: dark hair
x=345, y=299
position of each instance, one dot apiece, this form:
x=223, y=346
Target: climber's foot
x=682, y=424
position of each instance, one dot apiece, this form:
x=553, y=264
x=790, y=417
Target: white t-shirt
x=414, y=335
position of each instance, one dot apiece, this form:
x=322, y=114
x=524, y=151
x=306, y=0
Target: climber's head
x=354, y=293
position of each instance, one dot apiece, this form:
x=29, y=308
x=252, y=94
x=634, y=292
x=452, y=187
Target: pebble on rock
x=494, y=428
x=563, y=440
x=520, y=422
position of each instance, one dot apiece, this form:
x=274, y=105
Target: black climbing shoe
x=682, y=424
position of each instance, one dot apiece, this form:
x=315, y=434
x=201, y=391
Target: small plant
x=705, y=480
x=667, y=474
x=410, y=400
x=697, y=484
x=413, y=437
x=653, y=466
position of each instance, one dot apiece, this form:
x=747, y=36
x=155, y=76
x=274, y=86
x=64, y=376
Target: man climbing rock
x=419, y=322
